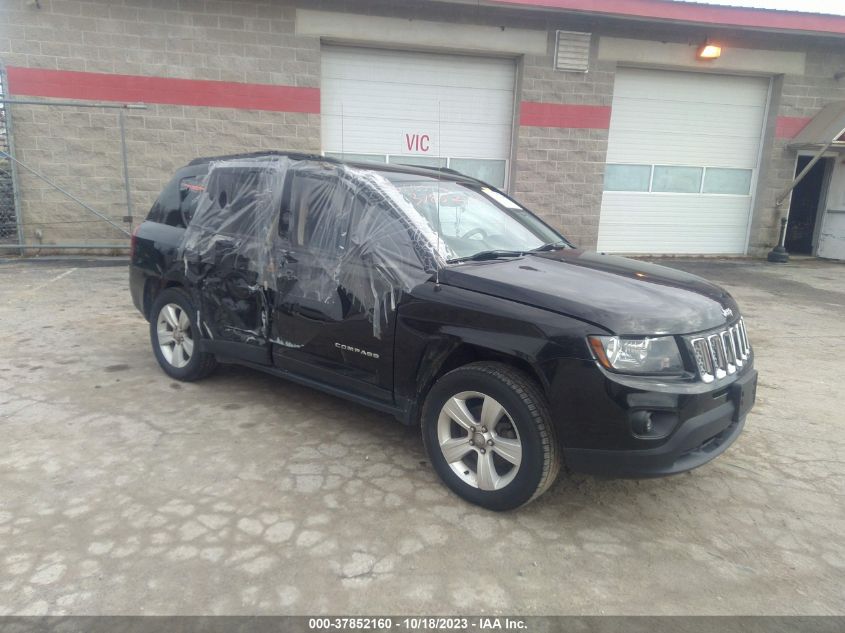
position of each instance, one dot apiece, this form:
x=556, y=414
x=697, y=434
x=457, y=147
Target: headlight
x=643, y=355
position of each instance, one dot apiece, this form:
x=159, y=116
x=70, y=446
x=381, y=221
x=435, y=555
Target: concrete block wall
x=246, y=42
x=560, y=170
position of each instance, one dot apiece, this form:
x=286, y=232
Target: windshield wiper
x=485, y=255
x=551, y=246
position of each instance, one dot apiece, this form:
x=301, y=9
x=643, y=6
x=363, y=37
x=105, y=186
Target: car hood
x=622, y=295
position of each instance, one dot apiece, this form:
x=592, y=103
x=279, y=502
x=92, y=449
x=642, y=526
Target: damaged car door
x=325, y=324
x=226, y=253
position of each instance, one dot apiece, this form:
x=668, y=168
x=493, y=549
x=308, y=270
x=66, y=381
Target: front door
x=329, y=322
x=832, y=234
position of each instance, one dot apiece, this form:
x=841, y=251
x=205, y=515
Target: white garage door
x=419, y=108
x=682, y=161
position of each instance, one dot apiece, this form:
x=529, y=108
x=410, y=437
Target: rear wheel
x=175, y=335
x=489, y=436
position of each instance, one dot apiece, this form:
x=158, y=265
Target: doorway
x=804, y=210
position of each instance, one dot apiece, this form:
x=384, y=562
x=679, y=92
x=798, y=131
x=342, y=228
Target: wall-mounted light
x=708, y=51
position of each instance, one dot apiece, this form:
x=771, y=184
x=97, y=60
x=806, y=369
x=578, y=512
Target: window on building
x=489, y=171
x=418, y=161
x=627, y=177
x=678, y=179
x=727, y=181
x=672, y=179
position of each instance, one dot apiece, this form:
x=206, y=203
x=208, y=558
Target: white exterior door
x=682, y=162
x=419, y=108
x=832, y=234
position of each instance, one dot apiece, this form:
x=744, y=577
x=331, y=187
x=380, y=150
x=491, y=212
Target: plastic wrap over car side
x=255, y=240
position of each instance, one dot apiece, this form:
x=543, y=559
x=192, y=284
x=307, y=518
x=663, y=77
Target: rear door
x=225, y=253
x=327, y=324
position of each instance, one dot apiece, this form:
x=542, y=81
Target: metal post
x=10, y=140
x=128, y=217
x=778, y=254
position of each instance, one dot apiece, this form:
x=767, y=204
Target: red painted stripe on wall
x=789, y=126
x=536, y=114
x=66, y=84
x=698, y=13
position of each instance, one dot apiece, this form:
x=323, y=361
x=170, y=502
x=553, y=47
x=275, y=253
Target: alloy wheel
x=479, y=440
x=173, y=329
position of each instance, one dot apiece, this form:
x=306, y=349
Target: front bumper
x=699, y=440
x=709, y=422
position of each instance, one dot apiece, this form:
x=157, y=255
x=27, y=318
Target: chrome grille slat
x=721, y=353
x=730, y=354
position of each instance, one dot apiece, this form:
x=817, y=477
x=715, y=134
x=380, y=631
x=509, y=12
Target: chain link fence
x=65, y=183
x=82, y=174
x=8, y=203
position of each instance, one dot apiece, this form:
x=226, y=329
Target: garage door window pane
x=489, y=171
x=359, y=158
x=669, y=179
x=627, y=177
x=418, y=161
x=730, y=181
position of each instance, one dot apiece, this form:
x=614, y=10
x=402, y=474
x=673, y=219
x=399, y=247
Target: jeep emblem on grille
x=727, y=312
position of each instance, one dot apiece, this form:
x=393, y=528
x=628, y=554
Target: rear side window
x=236, y=201
x=177, y=202
x=190, y=190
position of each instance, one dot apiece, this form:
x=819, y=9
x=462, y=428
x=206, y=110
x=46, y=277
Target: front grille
x=721, y=353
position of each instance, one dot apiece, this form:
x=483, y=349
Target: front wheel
x=175, y=336
x=488, y=434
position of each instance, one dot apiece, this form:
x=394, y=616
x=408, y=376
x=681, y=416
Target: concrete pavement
x=124, y=492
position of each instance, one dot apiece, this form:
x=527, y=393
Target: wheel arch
x=465, y=353
x=153, y=286
x=441, y=357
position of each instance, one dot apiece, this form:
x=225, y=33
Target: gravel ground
x=124, y=492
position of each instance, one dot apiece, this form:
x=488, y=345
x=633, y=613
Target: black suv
x=439, y=299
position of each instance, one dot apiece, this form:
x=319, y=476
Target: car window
x=190, y=190
x=236, y=201
x=317, y=209
x=473, y=219
x=171, y=203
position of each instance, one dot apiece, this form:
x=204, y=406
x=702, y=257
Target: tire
x=469, y=398
x=173, y=317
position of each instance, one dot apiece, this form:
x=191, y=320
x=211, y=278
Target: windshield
x=473, y=220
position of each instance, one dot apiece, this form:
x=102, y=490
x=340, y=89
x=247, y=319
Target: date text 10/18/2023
x=417, y=623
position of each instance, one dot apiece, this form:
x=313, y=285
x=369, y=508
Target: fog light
x=652, y=424
x=641, y=423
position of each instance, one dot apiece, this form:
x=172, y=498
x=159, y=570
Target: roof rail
x=290, y=154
